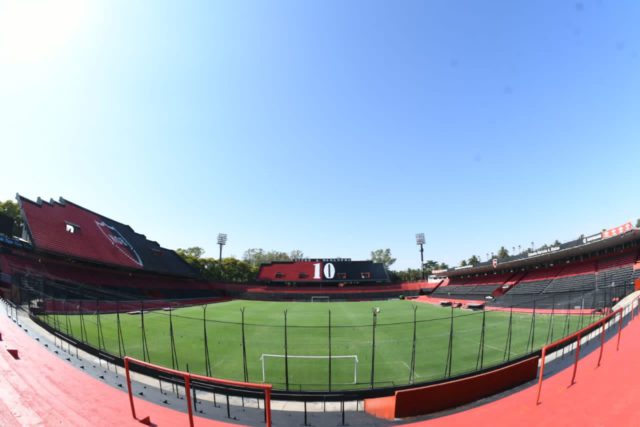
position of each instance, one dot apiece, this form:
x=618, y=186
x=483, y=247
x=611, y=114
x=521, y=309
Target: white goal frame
x=320, y=298
x=292, y=356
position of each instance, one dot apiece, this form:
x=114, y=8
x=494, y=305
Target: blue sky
x=331, y=127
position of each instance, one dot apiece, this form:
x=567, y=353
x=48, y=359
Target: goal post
x=320, y=298
x=314, y=360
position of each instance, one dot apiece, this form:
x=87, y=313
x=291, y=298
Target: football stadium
x=311, y=341
x=319, y=213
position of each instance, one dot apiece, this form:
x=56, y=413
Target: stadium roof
x=65, y=228
x=581, y=246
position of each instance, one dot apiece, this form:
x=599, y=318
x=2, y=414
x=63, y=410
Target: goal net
x=320, y=299
x=310, y=369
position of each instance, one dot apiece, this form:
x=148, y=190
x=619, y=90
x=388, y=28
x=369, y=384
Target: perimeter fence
x=319, y=352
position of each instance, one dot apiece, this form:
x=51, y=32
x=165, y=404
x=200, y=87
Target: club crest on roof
x=113, y=235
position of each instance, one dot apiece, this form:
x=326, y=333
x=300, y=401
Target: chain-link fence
x=313, y=347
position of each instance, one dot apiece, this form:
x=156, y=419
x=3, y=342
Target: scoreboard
x=323, y=271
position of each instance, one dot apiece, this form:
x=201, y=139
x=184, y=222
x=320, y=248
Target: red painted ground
x=40, y=389
x=604, y=396
x=436, y=301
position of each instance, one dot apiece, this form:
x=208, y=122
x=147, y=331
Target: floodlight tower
x=222, y=240
x=420, y=242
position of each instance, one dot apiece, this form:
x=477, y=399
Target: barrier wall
x=437, y=397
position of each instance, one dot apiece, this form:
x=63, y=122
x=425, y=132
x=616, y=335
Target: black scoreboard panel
x=326, y=270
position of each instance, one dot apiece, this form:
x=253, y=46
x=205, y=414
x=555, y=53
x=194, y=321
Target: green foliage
x=474, y=260
x=463, y=263
x=231, y=269
x=383, y=256
x=430, y=265
x=235, y=270
x=408, y=275
x=12, y=210
x=227, y=270
x=191, y=255
x=413, y=274
x=503, y=253
x=257, y=256
x=296, y=254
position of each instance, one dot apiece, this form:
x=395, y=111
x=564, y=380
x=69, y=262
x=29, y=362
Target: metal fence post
x=412, y=368
x=507, y=345
x=207, y=359
x=145, y=349
x=373, y=346
x=480, y=358
x=121, y=348
x=330, y=350
x=286, y=354
x=244, y=349
x=449, y=362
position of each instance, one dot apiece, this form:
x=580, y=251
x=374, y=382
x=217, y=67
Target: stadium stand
x=80, y=257
x=472, y=292
x=313, y=272
x=587, y=280
x=580, y=283
x=64, y=228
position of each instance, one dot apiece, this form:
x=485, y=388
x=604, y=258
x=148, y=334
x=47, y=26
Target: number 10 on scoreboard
x=329, y=271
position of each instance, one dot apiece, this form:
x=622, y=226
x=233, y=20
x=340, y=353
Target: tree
x=235, y=270
x=228, y=270
x=194, y=252
x=257, y=256
x=12, y=210
x=556, y=243
x=503, y=252
x=193, y=257
x=253, y=256
x=430, y=265
x=296, y=254
x=463, y=263
x=474, y=260
x=383, y=256
x=408, y=275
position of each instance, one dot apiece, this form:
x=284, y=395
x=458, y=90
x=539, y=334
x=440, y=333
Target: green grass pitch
x=308, y=335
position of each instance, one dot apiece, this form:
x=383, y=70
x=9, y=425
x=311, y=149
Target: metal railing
x=188, y=378
x=601, y=324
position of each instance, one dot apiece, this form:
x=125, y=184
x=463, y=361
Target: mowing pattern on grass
x=448, y=342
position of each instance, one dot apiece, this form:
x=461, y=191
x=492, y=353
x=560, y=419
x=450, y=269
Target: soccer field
x=310, y=341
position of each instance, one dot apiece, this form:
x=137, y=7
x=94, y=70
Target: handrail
x=187, y=385
x=601, y=323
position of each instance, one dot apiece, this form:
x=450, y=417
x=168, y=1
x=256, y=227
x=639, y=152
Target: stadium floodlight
x=222, y=240
x=420, y=242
